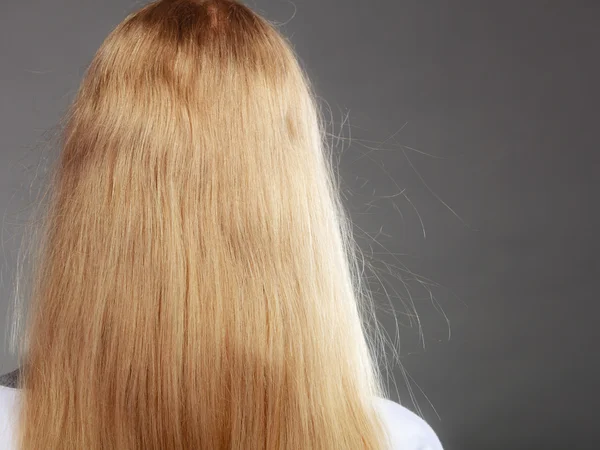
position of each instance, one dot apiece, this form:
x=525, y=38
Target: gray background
x=486, y=113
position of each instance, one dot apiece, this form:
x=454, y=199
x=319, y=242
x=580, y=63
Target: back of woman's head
x=195, y=286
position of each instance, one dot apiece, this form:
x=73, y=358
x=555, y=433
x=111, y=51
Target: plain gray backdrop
x=468, y=139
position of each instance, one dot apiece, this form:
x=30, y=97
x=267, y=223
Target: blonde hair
x=196, y=284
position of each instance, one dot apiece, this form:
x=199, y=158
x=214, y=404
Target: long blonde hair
x=196, y=285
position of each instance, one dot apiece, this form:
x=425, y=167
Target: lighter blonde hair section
x=195, y=282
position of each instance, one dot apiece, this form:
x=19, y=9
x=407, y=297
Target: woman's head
x=195, y=285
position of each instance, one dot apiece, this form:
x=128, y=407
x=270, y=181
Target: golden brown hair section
x=195, y=284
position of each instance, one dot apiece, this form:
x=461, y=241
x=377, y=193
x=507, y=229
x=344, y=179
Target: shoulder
x=407, y=430
x=9, y=402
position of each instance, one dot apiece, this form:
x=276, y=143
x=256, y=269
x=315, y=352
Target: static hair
x=195, y=283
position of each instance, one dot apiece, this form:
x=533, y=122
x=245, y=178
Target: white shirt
x=407, y=430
